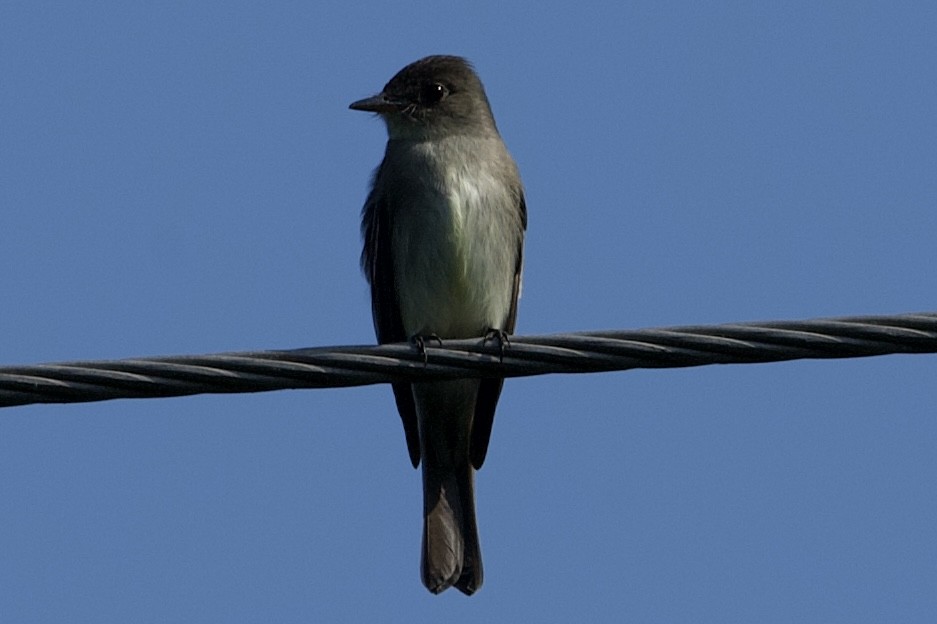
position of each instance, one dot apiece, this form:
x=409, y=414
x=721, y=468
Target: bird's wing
x=378, y=266
x=490, y=389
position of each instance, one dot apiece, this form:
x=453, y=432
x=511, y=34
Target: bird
x=443, y=227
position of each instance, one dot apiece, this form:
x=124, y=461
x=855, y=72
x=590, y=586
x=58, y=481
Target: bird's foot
x=420, y=343
x=501, y=336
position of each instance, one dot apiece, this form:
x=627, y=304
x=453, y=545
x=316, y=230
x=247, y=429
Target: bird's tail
x=451, y=555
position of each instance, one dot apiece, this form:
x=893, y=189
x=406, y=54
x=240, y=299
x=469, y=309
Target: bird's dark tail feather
x=451, y=553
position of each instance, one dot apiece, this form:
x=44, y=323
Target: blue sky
x=186, y=178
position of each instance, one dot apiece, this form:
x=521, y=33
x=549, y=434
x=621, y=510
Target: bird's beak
x=379, y=103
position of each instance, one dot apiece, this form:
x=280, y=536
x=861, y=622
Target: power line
x=588, y=352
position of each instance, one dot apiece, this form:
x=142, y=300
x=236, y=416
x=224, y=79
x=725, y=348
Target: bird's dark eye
x=433, y=93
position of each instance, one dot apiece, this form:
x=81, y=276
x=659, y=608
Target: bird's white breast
x=455, y=245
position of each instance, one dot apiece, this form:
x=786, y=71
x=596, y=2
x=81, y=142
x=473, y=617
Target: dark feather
x=489, y=390
x=379, y=269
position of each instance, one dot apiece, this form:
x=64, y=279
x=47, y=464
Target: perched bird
x=443, y=229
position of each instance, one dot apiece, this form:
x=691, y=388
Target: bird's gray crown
x=437, y=93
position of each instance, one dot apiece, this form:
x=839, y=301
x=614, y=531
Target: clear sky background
x=185, y=178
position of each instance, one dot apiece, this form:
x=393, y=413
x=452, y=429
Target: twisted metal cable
x=670, y=347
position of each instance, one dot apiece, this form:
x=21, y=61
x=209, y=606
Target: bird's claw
x=501, y=336
x=420, y=343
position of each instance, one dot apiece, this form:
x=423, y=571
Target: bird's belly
x=454, y=274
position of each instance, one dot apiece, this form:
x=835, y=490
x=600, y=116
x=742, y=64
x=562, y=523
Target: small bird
x=443, y=229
